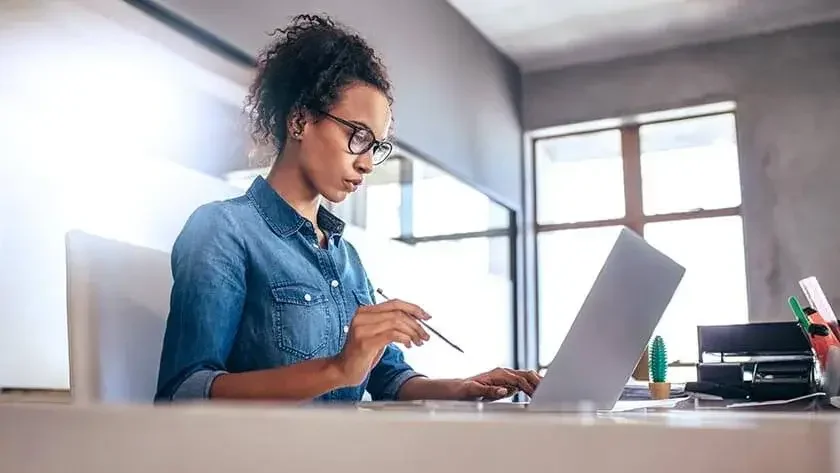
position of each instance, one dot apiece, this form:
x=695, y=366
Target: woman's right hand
x=372, y=329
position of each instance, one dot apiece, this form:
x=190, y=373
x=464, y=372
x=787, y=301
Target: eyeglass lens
x=362, y=140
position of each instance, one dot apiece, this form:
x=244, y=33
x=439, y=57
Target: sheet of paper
x=624, y=406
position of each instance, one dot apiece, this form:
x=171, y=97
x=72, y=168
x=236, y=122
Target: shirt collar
x=282, y=217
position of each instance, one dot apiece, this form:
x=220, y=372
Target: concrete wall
x=457, y=98
x=787, y=87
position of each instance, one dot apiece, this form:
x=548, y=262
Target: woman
x=269, y=301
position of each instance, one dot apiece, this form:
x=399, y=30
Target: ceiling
x=546, y=34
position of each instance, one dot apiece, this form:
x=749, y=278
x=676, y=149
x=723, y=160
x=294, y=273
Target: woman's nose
x=364, y=163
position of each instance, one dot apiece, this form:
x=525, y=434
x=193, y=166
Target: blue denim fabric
x=253, y=290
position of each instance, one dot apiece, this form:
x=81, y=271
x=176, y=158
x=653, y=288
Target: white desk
x=223, y=438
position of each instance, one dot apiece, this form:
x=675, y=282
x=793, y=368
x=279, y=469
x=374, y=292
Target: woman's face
x=326, y=159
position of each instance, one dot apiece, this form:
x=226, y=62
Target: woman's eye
x=360, y=140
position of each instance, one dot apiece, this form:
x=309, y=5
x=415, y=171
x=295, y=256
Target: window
x=382, y=200
x=485, y=254
x=413, y=201
x=676, y=182
x=435, y=194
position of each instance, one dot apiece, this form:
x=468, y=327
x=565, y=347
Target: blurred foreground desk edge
x=47, y=438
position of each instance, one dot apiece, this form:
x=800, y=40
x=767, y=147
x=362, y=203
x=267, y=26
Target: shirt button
x=346, y=329
x=307, y=297
x=315, y=245
x=334, y=283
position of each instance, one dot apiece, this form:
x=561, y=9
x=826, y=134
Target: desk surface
x=418, y=438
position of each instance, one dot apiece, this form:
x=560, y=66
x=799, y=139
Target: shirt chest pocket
x=301, y=319
x=360, y=299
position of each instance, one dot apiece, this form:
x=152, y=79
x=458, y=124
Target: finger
x=410, y=326
x=386, y=328
x=391, y=336
x=400, y=323
x=371, y=318
x=406, y=323
x=396, y=304
x=372, y=323
x=533, y=377
x=365, y=315
x=376, y=318
x=414, y=325
x=517, y=380
x=476, y=390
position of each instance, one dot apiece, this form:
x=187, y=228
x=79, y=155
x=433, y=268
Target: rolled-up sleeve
x=208, y=293
x=197, y=385
x=388, y=376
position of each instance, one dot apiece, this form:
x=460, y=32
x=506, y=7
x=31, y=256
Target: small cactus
x=658, y=360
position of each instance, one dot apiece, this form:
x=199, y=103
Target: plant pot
x=660, y=390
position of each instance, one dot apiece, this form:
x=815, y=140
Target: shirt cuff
x=196, y=386
x=393, y=387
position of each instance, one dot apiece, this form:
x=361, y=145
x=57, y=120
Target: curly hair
x=305, y=69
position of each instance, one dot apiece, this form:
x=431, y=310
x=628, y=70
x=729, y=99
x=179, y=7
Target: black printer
x=756, y=361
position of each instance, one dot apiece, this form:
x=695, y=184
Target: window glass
x=713, y=290
x=444, y=205
x=580, y=178
x=382, y=195
x=488, y=255
x=690, y=164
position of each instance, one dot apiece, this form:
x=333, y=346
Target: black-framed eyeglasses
x=362, y=140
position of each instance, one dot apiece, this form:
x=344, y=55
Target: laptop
x=608, y=336
x=612, y=328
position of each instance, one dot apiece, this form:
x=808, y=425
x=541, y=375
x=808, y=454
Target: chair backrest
x=117, y=304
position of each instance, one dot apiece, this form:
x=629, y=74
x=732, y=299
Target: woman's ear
x=297, y=124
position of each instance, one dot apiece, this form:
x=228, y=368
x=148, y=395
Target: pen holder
x=820, y=344
x=660, y=390
x=831, y=372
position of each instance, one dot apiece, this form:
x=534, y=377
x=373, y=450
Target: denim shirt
x=253, y=290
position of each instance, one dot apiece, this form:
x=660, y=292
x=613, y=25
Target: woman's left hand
x=498, y=384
